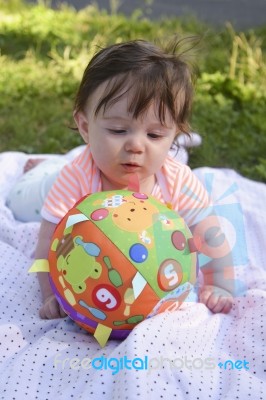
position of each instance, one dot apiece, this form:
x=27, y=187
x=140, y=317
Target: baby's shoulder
x=83, y=160
x=172, y=166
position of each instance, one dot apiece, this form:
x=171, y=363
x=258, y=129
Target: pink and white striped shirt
x=175, y=184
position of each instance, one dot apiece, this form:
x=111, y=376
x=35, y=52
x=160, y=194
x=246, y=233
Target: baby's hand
x=51, y=309
x=218, y=300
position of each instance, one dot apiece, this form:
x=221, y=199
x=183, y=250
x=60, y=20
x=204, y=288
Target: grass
x=44, y=52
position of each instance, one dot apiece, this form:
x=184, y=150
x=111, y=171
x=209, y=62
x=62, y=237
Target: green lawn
x=44, y=52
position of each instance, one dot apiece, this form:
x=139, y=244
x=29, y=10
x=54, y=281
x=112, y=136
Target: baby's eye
x=117, y=131
x=154, y=135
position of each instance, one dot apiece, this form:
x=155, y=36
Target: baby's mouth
x=130, y=166
x=132, y=163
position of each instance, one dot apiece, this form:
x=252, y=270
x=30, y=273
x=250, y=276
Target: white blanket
x=179, y=351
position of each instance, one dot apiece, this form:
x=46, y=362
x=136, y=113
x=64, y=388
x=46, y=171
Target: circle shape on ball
x=99, y=214
x=169, y=275
x=138, y=253
x=178, y=240
x=106, y=297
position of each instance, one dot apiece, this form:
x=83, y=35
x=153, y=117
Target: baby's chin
x=114, y=184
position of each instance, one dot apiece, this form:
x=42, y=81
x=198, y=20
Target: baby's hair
x=149, y=73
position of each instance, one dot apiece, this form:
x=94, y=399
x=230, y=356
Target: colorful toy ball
x=119, y=257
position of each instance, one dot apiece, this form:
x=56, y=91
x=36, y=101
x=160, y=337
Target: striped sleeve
x=64, y=193
x=75, y=180
x=193, y=202
x=187, y=194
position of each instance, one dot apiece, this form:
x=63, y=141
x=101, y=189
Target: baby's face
x=122, y=145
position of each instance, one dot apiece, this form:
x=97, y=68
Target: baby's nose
x=135, y=144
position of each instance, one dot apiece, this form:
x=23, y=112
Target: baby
x=133, y=102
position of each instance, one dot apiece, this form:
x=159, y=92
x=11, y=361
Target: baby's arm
x=50, y=308
x=218, y=274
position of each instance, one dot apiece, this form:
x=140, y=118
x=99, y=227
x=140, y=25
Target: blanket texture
x=187, y=354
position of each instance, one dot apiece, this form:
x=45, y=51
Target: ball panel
x=115, y=255
x=149, y=239
x=100, y=292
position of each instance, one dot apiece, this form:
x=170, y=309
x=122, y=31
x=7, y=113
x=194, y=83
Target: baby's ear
x=82, y=124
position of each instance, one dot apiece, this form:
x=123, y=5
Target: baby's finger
x=212, y=302
x=42, y=313
x=227, y=307
x=54, y=309
x=62, y=312
x=219, y=304
x=204, y=296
